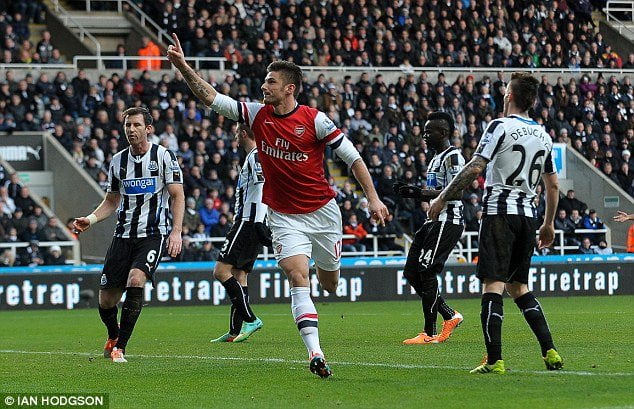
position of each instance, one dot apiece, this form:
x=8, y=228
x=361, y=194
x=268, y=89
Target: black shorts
x=432, y=244
x=506, y=245
x=125, y=254
x=241, y=247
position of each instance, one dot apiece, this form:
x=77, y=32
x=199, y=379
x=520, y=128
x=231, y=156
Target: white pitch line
x=293, y=361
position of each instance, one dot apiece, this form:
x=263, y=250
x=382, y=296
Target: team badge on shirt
x=153, y=166
x=299, y=130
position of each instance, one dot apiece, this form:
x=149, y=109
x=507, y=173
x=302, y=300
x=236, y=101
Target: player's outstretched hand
x=621, y=217
x=378, y=210
x=174, y=244
x=435, y=207
x=175, y=53
x=546, y=236
x=80, y=225
x=264, y=234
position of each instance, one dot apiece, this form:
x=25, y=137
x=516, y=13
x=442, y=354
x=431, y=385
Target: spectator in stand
x=562, y=222
x=54, y=257
x=470, y=208
x=25, y=202
x=207, y=252
x=30, y=256
x=52, y=231
x=603, y=248
x=391, y=228
x=209, y=216
x=355, y=228
x=586, y=246
x=592, y=222
x=222, y=228
x=149, y=49
x=19, y=222
x=192, y=217
x=32, y=232
x=570, y=202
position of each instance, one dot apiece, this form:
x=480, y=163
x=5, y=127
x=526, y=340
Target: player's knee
x=136, y=281
x=516, y=290
x=298, y=278
x=107, y=299
x=221, y=275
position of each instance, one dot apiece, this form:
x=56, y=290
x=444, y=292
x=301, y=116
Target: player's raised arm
x=103, y=211
x=202, y=89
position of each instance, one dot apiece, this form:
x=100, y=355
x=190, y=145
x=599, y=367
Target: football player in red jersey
x=303, y=215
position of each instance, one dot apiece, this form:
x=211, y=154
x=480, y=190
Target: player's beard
x=270, y=100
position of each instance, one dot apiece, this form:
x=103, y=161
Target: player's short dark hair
x=246, y=128
x=147, y=117
x=291, y=73
x=524, y=89
x=442, y=116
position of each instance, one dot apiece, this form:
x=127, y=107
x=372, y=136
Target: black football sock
x=247, y=299
x=109, y=318
x=534, y=315
x=235, y=321
x=237, y=296
x=492, y=315
x=430, y=305
x=129, y=314
x=444, y=309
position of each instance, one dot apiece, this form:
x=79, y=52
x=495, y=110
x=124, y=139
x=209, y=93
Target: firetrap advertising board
x=361, y=280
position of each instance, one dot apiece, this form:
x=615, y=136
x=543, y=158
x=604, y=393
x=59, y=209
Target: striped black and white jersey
x=249, y=206
x=142, y=183
x=519, y=151
x=440, y=172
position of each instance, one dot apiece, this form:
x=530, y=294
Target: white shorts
x=317, y=235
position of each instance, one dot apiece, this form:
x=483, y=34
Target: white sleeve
x=243, y=112
x=113, y=179
x=492, y=140
x=325, y=129
x=345, y=150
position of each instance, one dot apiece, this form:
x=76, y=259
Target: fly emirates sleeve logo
x=281, y=151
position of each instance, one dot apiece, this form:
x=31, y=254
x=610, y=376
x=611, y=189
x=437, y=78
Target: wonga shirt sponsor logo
x=139, y=186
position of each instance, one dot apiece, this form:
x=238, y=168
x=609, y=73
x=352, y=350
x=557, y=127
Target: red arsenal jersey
x=291, y=151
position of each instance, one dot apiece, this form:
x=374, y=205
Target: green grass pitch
x=173, y=365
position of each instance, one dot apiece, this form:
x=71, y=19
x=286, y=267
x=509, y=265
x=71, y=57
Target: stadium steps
x=336, y=172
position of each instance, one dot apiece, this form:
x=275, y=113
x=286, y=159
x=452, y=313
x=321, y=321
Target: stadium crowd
x=385, y=122
x=451, y=33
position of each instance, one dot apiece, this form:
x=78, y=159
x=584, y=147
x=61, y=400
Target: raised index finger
x=178, y=43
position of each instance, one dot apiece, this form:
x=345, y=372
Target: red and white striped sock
x=305, y=316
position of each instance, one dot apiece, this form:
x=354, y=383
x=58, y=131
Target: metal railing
x=468, y=250
x=127, y=60
x=14, y=246
x=374, y=252
x=83, y=32
x=140, y=14
x=197, y=62
x=619, y=6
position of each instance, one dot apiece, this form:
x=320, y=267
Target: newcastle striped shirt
x=249, y=206
x=142, y=182
x=519, y=151
x=441, y=171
